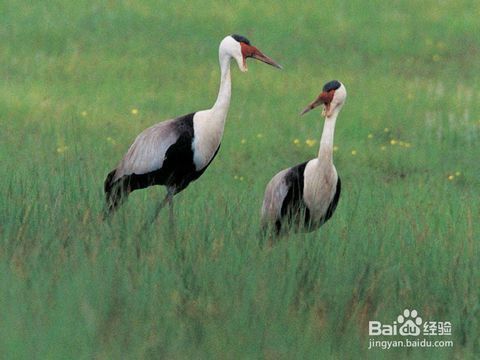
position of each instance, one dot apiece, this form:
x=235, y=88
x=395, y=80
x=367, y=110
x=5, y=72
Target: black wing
x=176, y=161
x=333, y=204
x=294, y=211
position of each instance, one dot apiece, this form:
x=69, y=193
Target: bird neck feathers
x=209, y=124
x=224, y=93
x=325, y=152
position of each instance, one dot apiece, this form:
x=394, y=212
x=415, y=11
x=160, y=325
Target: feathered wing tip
x=115, y=193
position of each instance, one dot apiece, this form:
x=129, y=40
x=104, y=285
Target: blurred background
x=81, y=79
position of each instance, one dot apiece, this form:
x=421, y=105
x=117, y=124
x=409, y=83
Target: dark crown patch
x=332, y=85
x=241, y=38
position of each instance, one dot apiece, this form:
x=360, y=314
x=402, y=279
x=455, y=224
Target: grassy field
x=81, y=79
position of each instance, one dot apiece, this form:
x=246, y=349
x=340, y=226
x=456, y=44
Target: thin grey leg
x=170, y=212
x=171, y=218
x=167, y=199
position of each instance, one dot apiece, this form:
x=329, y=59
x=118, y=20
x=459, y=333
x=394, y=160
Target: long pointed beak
x=324, y=98
x=257, y=54
x=312, y=106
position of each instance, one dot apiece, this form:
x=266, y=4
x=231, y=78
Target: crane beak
x=324, y=98
x=253, y=52
x=264, y=58
x=311, y=106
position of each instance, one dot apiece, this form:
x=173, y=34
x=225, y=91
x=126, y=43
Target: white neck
x=209, y=124
x=224, y=93
x=326, y=142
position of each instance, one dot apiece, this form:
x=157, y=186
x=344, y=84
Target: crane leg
x=168, y=199
x=171, y=217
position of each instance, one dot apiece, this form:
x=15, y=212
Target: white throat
x=225, y=92
x=209, y=124
x=325, y=152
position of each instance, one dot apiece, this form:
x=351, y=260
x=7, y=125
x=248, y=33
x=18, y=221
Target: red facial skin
x=325, y=98
x=253, y=52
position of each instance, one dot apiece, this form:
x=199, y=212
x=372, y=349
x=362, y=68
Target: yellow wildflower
x=370, y=136
x=335, y=148
x=296, y=141
x=134, y=111
x=310, y=142
x=259, y=135
x=354, y=152
x=450, y=177
x=458, y=173
x=393, y=142
x=386, y=129
x=243, y=141
x=84, y=113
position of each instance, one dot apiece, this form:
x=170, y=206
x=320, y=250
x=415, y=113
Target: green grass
x=403, y=235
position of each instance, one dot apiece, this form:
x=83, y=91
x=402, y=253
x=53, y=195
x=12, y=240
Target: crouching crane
x=176, y=152
x=305, y=196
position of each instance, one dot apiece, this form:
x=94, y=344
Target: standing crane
x=305, y=196
x=176, y=152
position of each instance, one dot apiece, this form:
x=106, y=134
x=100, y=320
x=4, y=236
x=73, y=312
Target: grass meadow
x=80, y=79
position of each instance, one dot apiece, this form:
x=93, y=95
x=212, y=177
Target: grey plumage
x=275, y=194
x=161, y=155
x=305, y=196
x=302, y=198
x=147, y=152
x=176, y=152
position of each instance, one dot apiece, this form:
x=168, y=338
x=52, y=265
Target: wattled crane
x=305, y=196
x=176, y=152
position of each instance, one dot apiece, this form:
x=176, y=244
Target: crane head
x=241, y=49
x=332, y=97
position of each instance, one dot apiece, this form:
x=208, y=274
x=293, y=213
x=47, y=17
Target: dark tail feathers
x=115, y=193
